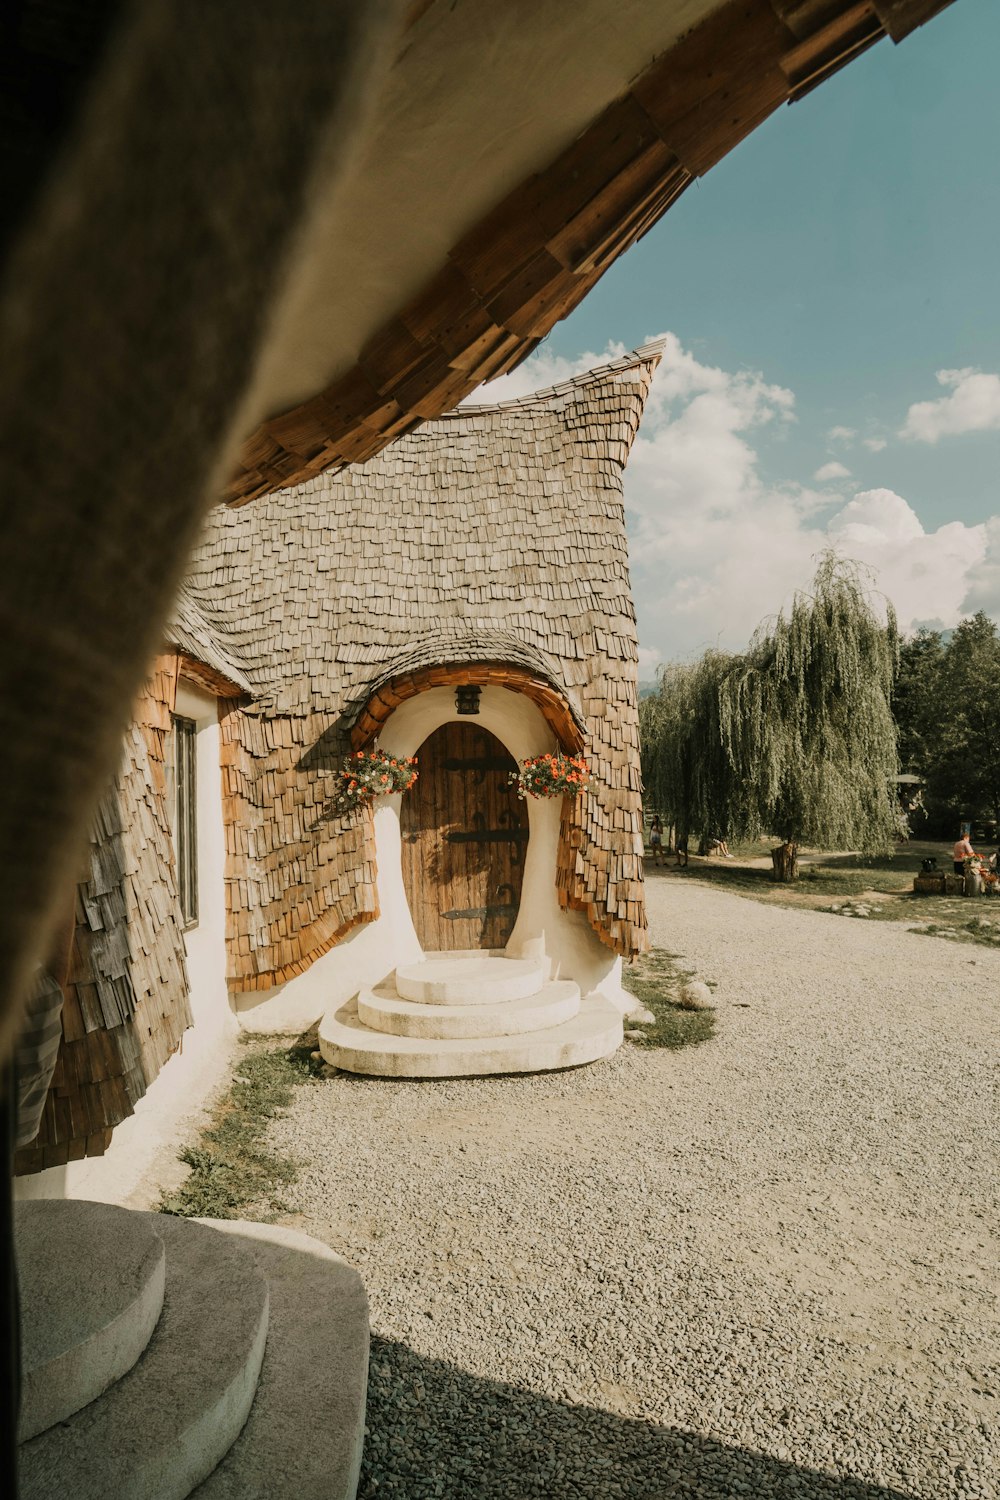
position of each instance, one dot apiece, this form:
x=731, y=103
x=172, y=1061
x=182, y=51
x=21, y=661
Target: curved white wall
x=371, y=953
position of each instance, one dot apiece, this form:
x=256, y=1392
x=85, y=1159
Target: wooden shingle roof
x=204, y=649
x=493, y=534
x=713, y=70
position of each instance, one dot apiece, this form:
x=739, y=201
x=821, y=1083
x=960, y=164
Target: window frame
x=184, y=814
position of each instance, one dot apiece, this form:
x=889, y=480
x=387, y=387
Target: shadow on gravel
x=436, y=1432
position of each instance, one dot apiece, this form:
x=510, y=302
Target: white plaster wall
x=205, y=943
x=372, y=952
x=142, y=1156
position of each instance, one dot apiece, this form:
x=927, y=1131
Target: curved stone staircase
x=469, y=1014
x=163, y=1358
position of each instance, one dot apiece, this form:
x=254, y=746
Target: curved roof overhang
x=397, y=686
x=482, y=216
x=204, y=656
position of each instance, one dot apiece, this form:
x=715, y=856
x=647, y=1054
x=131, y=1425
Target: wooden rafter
x=533, y=258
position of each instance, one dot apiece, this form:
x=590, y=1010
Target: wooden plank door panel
x=465, y=835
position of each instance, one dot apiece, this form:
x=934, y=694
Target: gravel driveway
x=765, y=1266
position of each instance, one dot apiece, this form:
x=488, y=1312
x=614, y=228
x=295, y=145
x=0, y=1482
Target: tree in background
x=918, y=698
x=685, y=770
x=947, y=704
x=796, y=737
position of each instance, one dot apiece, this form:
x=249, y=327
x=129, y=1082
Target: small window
x=185, y=817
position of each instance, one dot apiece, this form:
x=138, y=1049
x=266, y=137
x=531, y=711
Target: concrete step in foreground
x=164, y=1426
x=381, y=1009
x=91, y=1280
x=469, y=979
x=177, y=1422
x=306, y=1429
x=346, y=1042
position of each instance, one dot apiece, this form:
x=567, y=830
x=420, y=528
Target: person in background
x=961, y=852
x=656, y=840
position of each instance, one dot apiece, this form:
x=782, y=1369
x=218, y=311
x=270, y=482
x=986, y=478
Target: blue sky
x=818, y=279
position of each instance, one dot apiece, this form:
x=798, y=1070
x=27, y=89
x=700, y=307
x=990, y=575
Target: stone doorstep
x=166, y=1424
x=469, y=979
x=595, y=1032
x=382, y=1009
x=305, y=1433
x=183, y=1416
x=92, y=1282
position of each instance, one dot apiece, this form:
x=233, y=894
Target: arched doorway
x=464, y=837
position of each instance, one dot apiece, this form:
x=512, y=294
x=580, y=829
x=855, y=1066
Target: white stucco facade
x=166, y=1118
x=374, y=950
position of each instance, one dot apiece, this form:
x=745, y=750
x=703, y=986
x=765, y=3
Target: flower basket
x=372, y=773
x=551, y=776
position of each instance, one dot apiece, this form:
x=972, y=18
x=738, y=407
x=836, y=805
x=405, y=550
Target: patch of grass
x=975, y=930
x=231, y=1167
x=656, y=981
x=843, y=875
x=884, y=884
x=937, y=916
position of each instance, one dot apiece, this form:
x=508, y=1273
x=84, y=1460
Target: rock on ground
x=763, y=1266
x=695, y=995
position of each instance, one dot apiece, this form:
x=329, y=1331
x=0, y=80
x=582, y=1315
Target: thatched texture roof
x=493, y=536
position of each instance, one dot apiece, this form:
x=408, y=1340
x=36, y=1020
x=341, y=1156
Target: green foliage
x=807, y=721
x=918, y=697
x=656, y=980
x=796, y=737
x=948, y=707
x=231, y=1166
x=686, y=772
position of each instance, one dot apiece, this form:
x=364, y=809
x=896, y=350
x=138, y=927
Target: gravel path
x=766, y=1266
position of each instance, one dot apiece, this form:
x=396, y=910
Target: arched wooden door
x=465, y=834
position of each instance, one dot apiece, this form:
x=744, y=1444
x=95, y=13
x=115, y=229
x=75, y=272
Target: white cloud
x=537, y=373
x=831, y=470
x=841, y=435
x=649, y=660
x=876, y=444
x=716, y=548
x=972, y=406
x=923, y=573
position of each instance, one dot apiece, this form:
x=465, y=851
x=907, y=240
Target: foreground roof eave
x=511, y=274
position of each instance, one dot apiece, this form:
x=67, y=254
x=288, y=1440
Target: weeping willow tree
x=807, y=721
x=686, y=769
x=795, y=737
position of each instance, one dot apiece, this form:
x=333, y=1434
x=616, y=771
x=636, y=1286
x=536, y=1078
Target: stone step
x=594, y=1032
x=383, y=1010
x=91, y=1280
x=165, y=1425
x=469, y=979
x=304, y=1436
